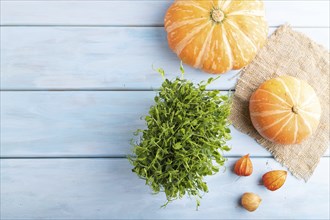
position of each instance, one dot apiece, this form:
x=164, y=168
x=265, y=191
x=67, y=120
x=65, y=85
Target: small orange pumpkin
x=216, y=35
x=285, y=110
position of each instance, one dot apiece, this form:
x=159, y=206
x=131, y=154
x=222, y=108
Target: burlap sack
x=291, y=53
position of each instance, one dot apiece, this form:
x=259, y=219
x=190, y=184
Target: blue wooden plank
x=83, y=124
x=298, y=13
x=98, y=58
x=107, y=189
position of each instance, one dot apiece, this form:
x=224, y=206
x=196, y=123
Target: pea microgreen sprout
x=184, y=140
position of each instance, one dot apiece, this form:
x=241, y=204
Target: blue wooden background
x=76, y=77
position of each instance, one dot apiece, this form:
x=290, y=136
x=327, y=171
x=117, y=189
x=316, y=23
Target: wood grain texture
x=83, y=124
x=298, y=13
x=98, y=58
x=107, y=189
x=117, y=54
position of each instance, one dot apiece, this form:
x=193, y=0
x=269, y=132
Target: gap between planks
x=96, y=90
x=100, y=157
x=110, y=157
x=126, y=0
x=122, y=25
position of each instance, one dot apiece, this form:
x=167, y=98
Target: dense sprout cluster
x=186, y=133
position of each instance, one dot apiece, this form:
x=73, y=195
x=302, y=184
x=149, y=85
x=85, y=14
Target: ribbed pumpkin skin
x=285, y=110
x=218, y=35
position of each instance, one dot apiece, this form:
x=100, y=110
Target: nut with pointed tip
x=243, y=166
x=273, y=180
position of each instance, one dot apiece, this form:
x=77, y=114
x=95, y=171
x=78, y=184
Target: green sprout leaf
x=181, y=69
x=160, y=71
x=184, y=140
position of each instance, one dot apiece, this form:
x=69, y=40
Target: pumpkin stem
x=217, y=15
x=295, y=109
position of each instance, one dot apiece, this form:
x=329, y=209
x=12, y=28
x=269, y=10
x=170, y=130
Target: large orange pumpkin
x=285, y=110
x=216, y=35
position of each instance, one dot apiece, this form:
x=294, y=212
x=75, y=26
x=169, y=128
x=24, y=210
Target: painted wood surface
x=117, y=58
x=84, y=124
x=151, y=13
x=89, y=47
x=107, y=189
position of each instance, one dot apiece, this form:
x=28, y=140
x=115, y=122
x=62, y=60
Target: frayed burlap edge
x=287, y=52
